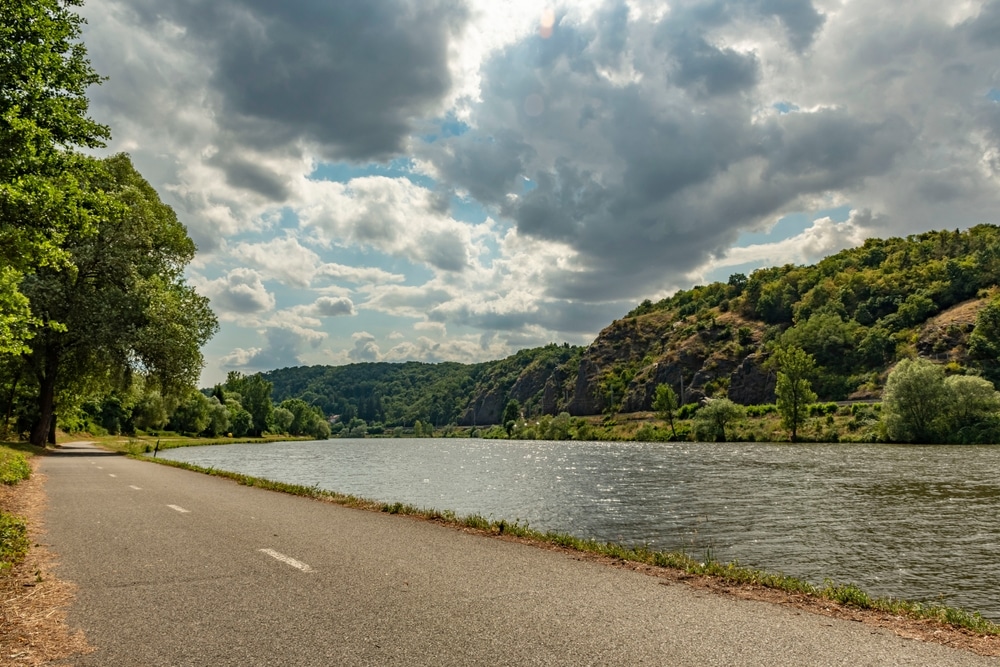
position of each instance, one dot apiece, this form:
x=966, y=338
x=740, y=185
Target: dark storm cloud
x=985, y=28
x=709, y=70
x=565, y=316
x=353, y=77
x=801, y=20
x=651, y=178
x=241, y=173
x=489, y=167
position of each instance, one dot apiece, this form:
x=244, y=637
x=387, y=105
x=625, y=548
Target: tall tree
x=915, y=402
x=121, y=306
x=511, y=413
x=793, y=389
x=44, y=75
x=665, y=405
x=255, y=397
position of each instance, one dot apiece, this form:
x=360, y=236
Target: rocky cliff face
x=751, y=383
x=697, y=358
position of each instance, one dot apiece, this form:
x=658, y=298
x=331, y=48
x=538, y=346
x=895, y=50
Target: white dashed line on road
x=180, y=509
x=111, y=474
x=288, y=560
x=133, y=486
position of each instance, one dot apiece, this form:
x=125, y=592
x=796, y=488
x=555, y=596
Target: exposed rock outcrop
x=751, y=383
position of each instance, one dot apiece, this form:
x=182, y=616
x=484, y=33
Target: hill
x=857, y=312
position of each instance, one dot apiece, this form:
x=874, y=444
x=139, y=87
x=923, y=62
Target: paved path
x=178, y=568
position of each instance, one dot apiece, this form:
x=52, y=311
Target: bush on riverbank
x=825, y=422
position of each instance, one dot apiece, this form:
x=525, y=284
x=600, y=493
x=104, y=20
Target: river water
x=919, y=523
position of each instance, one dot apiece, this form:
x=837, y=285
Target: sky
x=455, y=180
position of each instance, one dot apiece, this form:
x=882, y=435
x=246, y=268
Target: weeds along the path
x=14, y=542
x=847, y=595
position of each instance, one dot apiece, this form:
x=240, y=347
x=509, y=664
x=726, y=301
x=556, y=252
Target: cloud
x=239, y=358
x=282, y=259
x=326, y=306
x=821, y=239
x=354, y=79
x=358, y=274
x=282, y=349
x=392, y=215
x=616, y=159
x=365, y=348
x=658, y=141
x=407, y=300
x=239, y=292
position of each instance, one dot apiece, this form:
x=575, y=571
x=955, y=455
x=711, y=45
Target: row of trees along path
x=92, y=292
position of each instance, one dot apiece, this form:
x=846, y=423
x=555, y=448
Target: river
x=919, y=523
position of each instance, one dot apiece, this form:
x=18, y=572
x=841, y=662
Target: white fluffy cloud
x=392, y=215
x=239, y=292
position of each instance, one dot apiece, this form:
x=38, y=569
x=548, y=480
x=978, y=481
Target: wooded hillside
x=857, y=312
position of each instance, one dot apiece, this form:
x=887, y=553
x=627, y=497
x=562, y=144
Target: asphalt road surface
x=178, y=568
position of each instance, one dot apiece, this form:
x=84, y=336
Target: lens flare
x=547, y=23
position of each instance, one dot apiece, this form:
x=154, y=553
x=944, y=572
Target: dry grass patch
x=33, y=602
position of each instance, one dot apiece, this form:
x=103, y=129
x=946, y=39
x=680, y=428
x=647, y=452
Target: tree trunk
x=46, y=402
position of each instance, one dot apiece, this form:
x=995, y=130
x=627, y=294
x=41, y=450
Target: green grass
x=138, y=445
x=848, y=595
x=14, y=466
x=13, y=541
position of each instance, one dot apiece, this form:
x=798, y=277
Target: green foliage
x=913, y=405
x=193, y=414
x=711, y=421
x=14, y=467
x=984, y=341
x=400, y=394
x=922, y=405
x=149, y=414
x=511, y=414
x=121, y=307
x=793, y=389
x=16, y=321
x=281, y=420
x=760, y=410
x=255, y=399
x=218, y=418
x=820, y=409
x=44, y=74
x=665, y=404
x=241, y=421
x=687, y=410
x=856, y=311
x=305, y=419
x=14, y=541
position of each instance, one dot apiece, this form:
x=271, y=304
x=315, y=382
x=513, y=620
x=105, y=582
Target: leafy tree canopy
x=122, y=306
x=44, y=75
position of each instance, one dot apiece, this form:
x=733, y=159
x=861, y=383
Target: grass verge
x=847, y=595
x=14, y=543
x=146, y=444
